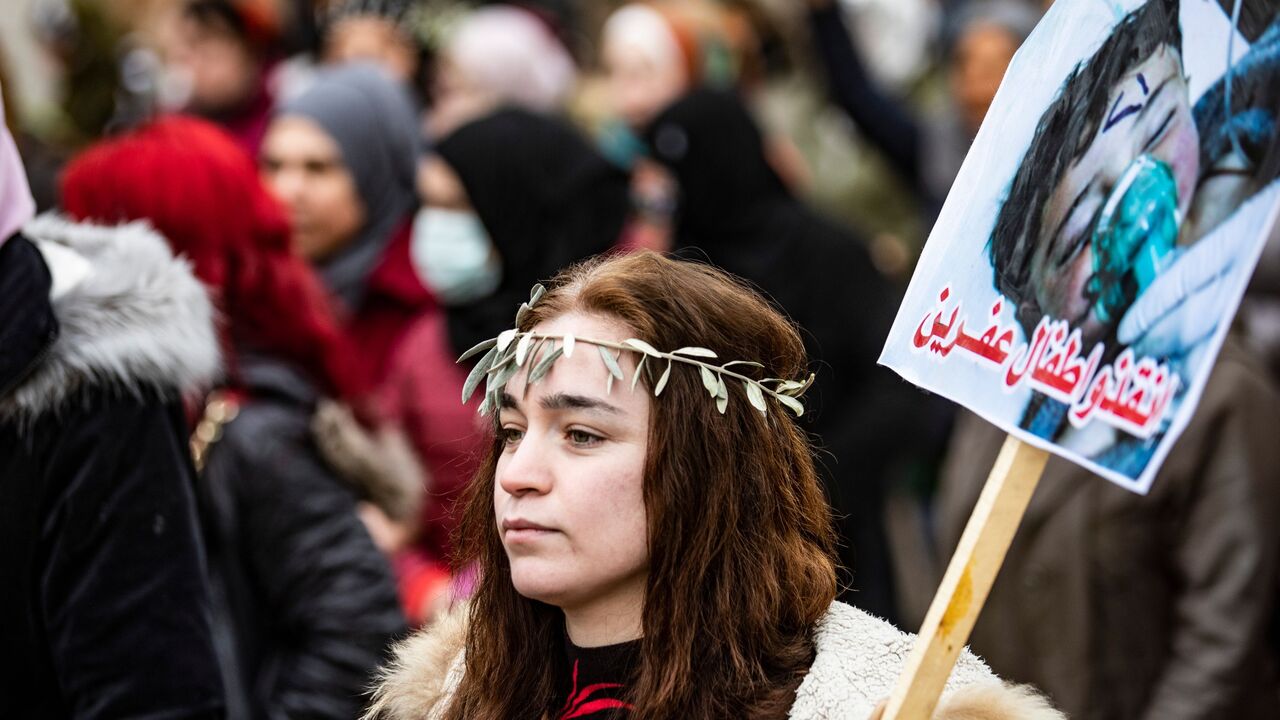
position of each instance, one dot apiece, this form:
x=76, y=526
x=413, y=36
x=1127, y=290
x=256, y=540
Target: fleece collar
x=136, y=321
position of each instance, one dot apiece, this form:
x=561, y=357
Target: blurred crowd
x=368, y=188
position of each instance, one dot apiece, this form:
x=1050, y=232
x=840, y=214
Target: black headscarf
x=715, y=150
x=736, y=210
x=546, y=197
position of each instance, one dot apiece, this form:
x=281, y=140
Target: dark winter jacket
x=306, y=603
x=1131, y=607
x=104, y=606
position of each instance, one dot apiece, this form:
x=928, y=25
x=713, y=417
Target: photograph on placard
x=1086, y=266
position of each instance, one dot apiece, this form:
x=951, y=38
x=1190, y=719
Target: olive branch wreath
x=511, y=351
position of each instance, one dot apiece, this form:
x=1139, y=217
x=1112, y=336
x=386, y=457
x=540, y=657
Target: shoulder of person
x=858, y=660
x=424, y=671
x=134, y=319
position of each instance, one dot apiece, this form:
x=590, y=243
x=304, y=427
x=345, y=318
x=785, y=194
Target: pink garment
x=16, y=204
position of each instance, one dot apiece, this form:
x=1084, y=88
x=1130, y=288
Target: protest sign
x=1084, y=270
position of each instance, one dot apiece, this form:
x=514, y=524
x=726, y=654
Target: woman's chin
x=540, y=581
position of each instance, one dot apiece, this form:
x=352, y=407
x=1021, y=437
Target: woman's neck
x=607, y=621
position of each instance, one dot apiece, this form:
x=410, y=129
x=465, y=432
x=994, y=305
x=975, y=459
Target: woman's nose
x=527, y=467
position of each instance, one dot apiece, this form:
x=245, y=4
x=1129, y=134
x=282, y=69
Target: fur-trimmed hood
x=133, y=318
x=858, y=660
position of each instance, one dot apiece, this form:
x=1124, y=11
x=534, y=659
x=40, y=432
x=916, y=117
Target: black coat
x=104, y=606
x=306, y=604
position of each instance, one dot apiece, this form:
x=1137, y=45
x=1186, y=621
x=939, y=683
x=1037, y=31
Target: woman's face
x=568, y=495
x=982, y=54
x=305, y=170
x=642, y=82
x=1148, y=112
x=218, y=71
x=439, y=186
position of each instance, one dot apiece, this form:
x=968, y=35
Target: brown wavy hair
x=741, y=545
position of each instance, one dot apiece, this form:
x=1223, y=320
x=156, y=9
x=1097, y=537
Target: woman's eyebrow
x=565, y=401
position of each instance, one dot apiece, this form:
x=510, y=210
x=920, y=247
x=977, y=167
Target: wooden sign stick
x=967, y=581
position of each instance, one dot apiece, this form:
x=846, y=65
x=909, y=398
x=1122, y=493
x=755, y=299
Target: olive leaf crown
x=513, y=350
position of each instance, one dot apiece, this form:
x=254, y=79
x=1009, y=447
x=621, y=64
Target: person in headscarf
x=545, y=198
x=736, y=212
x=510, y=199
x=305, y=604
x=342, y=158
x=106, y=608
x=499, y=55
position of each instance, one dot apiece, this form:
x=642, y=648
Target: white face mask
x=453, y=255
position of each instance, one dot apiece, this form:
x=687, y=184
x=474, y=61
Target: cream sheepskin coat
x=858, y=660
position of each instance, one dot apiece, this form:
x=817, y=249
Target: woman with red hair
x=305, y=602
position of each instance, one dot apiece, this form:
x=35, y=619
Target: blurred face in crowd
x=367, y=37
x=210, y=68
x=1149, y=112
x=439, y=186
x=642, y=80
x=568, y=495
x=458, y=99
x=982, y=54
x=305, y=170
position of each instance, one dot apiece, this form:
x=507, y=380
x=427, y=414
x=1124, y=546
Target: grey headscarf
x=372, y=119
x=1017, y=17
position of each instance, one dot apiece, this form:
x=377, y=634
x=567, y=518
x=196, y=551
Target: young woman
x=652, y=547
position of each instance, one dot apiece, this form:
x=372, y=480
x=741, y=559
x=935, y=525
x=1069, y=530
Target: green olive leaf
x=569, y=342
x=796, y=406
x=639, y=371
x=522, y=348
x=536, y=294
x=524, y=310
x=477, y=373
x=722, y=403
x=544, y=366
x=532, y=357
x=756, y=396
x=505, y=337
x=642, y=346
x=694, y=352
x=499, y=380
x=662, y=381
x=709, y=381
x=610, y=362
x=476, y=350
x=752, y=363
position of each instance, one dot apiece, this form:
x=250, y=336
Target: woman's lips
x=519, y=529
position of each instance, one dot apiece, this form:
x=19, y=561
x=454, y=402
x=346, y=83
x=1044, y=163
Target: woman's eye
x=582, y=438
x=510, y=436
